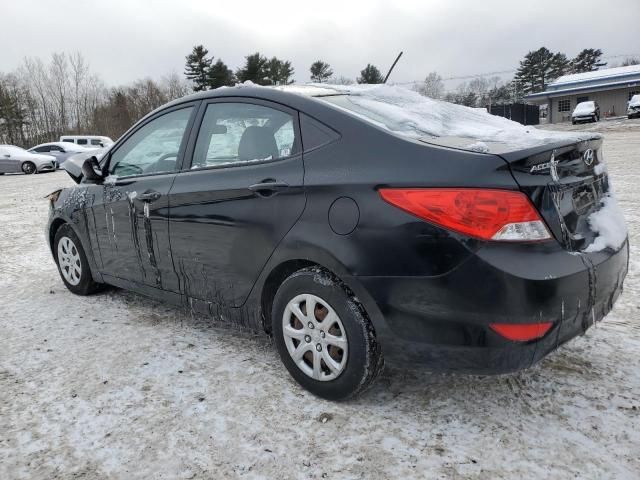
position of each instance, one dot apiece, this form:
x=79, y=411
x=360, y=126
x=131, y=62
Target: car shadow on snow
x=563, y=373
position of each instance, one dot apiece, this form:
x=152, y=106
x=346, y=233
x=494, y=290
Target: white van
x=95, y=141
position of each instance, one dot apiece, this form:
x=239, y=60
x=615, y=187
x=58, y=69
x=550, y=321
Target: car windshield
x=585, y=107
x=635, y=100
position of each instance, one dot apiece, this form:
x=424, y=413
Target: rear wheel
x=72, y=262
x=323, y=336
x=29, y=168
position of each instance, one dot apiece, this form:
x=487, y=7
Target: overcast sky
x=129, y=39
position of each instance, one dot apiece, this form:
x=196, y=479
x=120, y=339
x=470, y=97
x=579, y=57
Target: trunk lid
x=567, y=183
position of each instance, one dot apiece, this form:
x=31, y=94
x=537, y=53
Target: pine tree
x=370, y=74
x=197, y=67
x=254, y=70
x=219, y=75
x=320, y=71
x=279, y=72
x=539, y=68
x=588, y=60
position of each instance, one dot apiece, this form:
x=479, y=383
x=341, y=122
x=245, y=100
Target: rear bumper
x=443, y=322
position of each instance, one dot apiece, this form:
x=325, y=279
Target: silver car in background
x=60, y=150
x=15, y=159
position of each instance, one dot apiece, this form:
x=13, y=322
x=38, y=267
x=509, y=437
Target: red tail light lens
x=486, y=214
x=521, y=332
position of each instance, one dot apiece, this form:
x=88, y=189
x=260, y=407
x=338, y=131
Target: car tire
x=325, y=369
x=29, y=168
x=573, y=122
x=72, y=262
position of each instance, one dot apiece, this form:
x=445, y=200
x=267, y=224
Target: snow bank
x=609, y=224
x=408, y=113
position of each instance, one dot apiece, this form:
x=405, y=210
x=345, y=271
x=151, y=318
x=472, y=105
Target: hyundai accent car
x=15, y=160
x=352, y=224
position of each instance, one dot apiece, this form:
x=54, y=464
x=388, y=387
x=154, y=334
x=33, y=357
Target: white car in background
x=94, y=141
x=633, y=108
x=60, y=150
x=15, y=159
x=586, y=112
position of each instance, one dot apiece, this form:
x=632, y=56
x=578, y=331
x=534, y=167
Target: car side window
x=82, y=141
x=153, y=148
x=56, y=148
x=44, y=149
x=237, y=133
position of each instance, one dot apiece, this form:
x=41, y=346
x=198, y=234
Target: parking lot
x=118, y=386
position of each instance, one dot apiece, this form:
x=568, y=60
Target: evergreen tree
x=588, y=60
x=197, y=67
x=370, y=74
x=279, y=72
x=219, y=75
x=539, y=68
x=320, y=71
x=255, y=70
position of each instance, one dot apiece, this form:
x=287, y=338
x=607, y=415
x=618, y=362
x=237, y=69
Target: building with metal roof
x=611, y=88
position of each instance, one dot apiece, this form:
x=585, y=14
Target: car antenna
x=392, y=67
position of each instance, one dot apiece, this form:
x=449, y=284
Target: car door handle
x=149, y=196
x=268, y=188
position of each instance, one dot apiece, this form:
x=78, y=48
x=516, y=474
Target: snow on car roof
x=407, y=113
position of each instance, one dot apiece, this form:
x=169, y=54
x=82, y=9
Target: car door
x=240, y=196
x=8, y=161
x=131, y=215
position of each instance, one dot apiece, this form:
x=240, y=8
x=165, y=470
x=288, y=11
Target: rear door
x=241, y=194
x=131, y=212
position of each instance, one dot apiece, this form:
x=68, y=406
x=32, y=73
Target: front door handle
x=149, y=196
x=268, y=188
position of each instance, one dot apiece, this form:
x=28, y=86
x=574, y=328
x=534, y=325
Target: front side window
x=236, y=133
x=44, y=149
x=153, y=148
x=56, y=148
x=95, y=142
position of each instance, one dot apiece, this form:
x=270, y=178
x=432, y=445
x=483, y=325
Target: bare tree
x=432, y=86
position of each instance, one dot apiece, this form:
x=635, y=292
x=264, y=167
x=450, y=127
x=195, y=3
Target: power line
x=504, y=72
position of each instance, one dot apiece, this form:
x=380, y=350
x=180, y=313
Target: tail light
x=487, y=214
x=521, y=332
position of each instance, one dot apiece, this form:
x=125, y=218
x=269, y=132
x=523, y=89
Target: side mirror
x=7, y=155
x=91, y=170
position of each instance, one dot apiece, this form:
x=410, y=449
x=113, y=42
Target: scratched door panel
x=137, y=232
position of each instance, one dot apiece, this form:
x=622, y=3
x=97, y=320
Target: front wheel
x=323, y=336
x=29, y=168
x=72, y=262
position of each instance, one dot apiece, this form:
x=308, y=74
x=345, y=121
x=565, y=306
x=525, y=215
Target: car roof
x=59, y=144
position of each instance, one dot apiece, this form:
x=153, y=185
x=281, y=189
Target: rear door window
x=237, y=133
x=82, y=141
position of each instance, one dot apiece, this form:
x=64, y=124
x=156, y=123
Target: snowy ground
x=117, y=386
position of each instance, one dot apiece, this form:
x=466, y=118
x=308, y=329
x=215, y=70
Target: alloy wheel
x=69, y=261
x=315, y=337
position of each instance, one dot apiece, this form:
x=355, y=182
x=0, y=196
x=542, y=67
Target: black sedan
x=347, y=230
